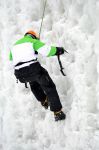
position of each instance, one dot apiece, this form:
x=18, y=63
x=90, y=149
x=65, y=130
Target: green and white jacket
x=24, y=51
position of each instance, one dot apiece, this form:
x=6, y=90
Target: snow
x=24, y=124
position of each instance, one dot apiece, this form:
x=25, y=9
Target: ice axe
x=60, y=63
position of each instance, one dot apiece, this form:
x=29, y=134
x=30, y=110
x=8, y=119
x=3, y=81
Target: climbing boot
x=59, y=115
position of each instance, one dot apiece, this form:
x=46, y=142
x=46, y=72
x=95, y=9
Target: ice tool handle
x=60, y=63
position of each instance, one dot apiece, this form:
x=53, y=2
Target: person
x=28, y=69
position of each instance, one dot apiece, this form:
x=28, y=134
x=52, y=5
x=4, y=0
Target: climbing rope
x=42, y=18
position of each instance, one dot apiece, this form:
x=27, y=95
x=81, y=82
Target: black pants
x=42, y=85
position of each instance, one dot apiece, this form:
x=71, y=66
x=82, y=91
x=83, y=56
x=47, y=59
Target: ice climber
x=28, y=69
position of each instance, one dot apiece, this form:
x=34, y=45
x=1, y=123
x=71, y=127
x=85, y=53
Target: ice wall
x=74, y=25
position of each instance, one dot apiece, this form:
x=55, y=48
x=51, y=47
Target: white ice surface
x=24, y=124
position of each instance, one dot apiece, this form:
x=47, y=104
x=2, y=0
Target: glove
x=60, y=51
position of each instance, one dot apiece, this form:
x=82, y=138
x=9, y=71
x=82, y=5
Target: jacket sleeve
x=10, y=56
x=44, y=49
